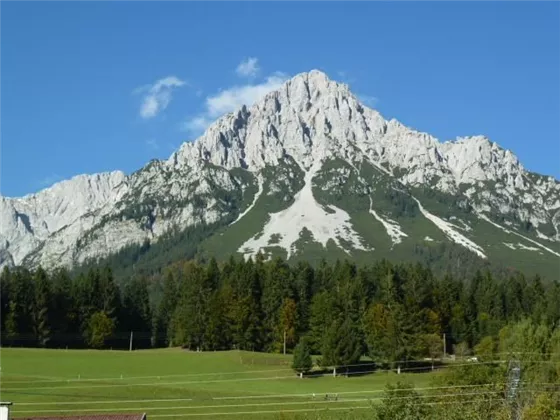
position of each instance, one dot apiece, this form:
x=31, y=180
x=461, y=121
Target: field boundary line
x=262, y=396
x=74, y=379
x=102, y=402
x=351, y=392
x=200, y=407
x=282, y=403
x=293, y=376
x=301, y=410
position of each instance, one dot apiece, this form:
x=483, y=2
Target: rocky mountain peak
x=309, y=120
x=308, y=117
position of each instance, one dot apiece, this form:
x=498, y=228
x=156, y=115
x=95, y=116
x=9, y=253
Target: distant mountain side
x=308, y=172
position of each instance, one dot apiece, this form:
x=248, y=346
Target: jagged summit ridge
x=311, y=116
x=310, y=120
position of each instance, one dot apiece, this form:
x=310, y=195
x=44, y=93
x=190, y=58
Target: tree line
x=391, y=312
x=40, y=309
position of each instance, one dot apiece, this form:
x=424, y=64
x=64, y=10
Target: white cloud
x=158, y=96
x=197, y=124
x=248, y=67
x=231, y=99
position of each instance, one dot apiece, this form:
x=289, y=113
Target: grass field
x=173, y=383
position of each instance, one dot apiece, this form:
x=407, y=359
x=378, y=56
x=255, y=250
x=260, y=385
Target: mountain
x=306, y=172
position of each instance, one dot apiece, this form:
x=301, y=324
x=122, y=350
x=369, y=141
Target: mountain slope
x=306, y=172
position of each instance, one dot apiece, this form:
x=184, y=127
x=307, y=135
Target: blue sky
x=96, y=86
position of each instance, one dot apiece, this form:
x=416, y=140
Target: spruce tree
x=302, y=362
x=110, y=297
x=341, y=346
x=41, y=307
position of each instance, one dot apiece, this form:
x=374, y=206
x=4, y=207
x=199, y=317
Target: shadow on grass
x=368, y=368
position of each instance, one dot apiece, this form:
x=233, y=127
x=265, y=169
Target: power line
x=74, y=379
x=197, y=407
x=127, y=384
x=264, y=395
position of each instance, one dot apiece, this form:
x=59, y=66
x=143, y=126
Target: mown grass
x=173, y=383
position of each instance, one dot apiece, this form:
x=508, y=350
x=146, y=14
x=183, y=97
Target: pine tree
x=88, y=293
x=303, y=285
x=110, y=296
x=41, y=307
x=11, y=321
x=5, y=283
x=342, y=346
x=275, y=289
x=165, y=310
x=215, y=336
x=21, y=306
x=302, y=362
x=136, y=312
x=323, y=313
x=64, y=317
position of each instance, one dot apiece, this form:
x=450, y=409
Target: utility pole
x=130, y=346
x=512, y=388
x=284, y=342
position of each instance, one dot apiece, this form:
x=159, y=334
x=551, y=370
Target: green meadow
x=173, y=383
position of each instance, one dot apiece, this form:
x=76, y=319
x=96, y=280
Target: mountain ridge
x=279, y=147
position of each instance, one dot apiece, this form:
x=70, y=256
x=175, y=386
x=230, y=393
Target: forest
x=390, y=312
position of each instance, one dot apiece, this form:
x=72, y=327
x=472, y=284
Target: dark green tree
x=41, y=307
x=302, y=362
x=342, y=346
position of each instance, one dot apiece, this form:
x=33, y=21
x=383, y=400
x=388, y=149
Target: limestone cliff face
x=309, y=121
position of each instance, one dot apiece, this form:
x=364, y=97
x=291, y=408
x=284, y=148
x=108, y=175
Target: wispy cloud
x=248, y=67
x=231, y=99
x=158, y=95
x=197, y=124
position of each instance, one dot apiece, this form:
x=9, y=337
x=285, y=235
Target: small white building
x=5, y=410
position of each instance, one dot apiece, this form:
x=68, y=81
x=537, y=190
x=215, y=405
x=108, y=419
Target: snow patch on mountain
x=451, y=233
x=464, y=226
x=519, y=245
x=255, y=198
x=284, y=228
x=528, y=248
x=393, y=228
x=484, y=217
x=540, y=235
x=309, y=118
